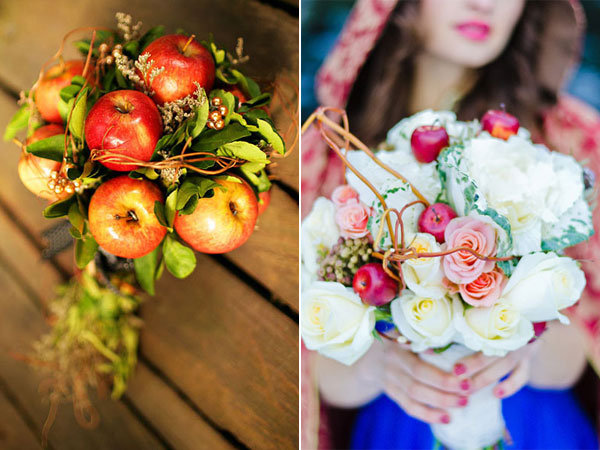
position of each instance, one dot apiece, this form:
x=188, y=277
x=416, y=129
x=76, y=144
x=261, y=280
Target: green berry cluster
x=344, y=259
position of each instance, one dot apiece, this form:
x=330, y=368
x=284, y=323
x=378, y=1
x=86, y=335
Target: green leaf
x=247, y=85
x=243, y=150
x=159, y=212
x=170, y=208
x=190, y=206
x=60, y=208
x=49, y=148
x=193, y=187
x=78, y=80
x=260, y=100
x=75, y=233
x=179, y=259
x=211, y=139
x=200, y=118
x=145, y=270
x=258, y=178
x=151, y=35
x=75, y=217
x=228, y=100
x=272, y=137
x=68, y=92
x=77, y=122
x=147, y=172
x=17, y=123
x=217, y=53
x=85, y=250
x=572, y=227
x=132, y=48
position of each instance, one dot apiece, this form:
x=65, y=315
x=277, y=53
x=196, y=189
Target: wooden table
x=219, y=351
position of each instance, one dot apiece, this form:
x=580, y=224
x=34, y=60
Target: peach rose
x=485, y=290
x=463, y=267
x=343, y=194
x=352, y=218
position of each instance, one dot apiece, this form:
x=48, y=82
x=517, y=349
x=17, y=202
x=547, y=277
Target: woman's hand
x=484, y=370
x=422, y=390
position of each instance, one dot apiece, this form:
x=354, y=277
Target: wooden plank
x=271, y=253
x=14, y=433
x=270, y=36
x=233, y=354
x=22, y=324
x=177, y=422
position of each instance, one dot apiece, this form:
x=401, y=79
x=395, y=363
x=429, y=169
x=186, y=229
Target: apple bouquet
x=450, y=240
x=152, y=146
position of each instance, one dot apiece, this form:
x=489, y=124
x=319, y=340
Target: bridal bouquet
x=449, y=238
x=151, y=145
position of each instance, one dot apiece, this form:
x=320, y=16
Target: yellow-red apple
x=185, y=62
x=121, y=216
x=36, y=172
x=126, y=123
x=220, y=223
x=265, y=200
x=47, y=93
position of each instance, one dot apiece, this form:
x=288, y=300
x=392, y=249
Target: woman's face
x=471, y=33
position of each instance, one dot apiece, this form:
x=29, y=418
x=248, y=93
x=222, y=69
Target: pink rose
x=463, y=267
x=343, y=194
x=485, y=290
x=352, y=218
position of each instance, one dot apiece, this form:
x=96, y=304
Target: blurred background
x=218, y=359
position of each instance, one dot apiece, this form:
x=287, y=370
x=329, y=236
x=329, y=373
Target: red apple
x=185, y=63
x=500, y=124
x=125, y=122
x=220, y=223
x=264, y=201
x=434, y=220
x=35, y=172
x=121, y=216
x=47, y=93
x=427, y=142
x=235, y=90
x=373, y=285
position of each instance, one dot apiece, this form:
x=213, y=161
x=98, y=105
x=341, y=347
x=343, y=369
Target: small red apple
x=121, y=217
x=427, y=142
x=373, y=285
x=434, y=220
x=500, y=124
x=47, y=93
x=222, y=222
x=185, y=63
x=125, y=122
x=264, y=201
x=235, y=90
x=35, y=172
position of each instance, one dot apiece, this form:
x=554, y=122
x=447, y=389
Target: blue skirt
x=536, y=419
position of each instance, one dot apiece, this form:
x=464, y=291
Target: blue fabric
x=536, y=419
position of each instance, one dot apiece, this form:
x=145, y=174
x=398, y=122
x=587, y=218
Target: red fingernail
x=463, y=401
x=445, y=418
x=459, y=369
x=499, y=393
x=465, y=385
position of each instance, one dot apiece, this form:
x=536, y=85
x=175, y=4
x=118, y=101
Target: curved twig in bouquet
x=339, y=138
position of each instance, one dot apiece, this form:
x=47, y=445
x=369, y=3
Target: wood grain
x=14, y=433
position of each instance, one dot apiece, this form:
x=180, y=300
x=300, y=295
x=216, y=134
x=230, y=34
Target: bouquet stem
x=479, y=424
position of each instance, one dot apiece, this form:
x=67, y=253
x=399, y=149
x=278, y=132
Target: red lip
x=474, y=30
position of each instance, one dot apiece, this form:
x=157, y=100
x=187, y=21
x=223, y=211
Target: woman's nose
x=484, y=6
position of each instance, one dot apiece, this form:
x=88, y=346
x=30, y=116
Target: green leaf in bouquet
x=145, y=270
x=255, y=174
x=196, y=126
x=191, y=190
x=141, y=172
x=108, y=78
x=159, y=212
x=171, y=207
x=210, y=140
x=75, y=217
x=573, y=226
x=159, y=270
x=85, y=250
x=253, y=115
x=17, y=123
x=77, y=122
x=247, y=85
x=121, y=81
x=151, y=35
x=190, y=206
x=59, y=208
x=258, y=101
x=223, y=74
x=68, y=92
x=272, y=137
x=75, y=233
x=78, y=80
x=243, y=150
x=132, y=48
x=179, y=259
x=228, y=100
x=64, y=108
x=52, y=147
x=218, y=54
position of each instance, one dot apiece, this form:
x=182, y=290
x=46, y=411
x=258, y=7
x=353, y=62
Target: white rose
x=494, y=331
x=542, y=284
x=424, y=276
x=335, y=322
x=319, y=233
x=426, y=322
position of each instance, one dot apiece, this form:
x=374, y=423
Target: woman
x=392, y=60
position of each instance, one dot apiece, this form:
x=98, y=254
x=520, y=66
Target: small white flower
x=335, y=322
x=319, y=233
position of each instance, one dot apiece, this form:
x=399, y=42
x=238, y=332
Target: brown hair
x=381, y=93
